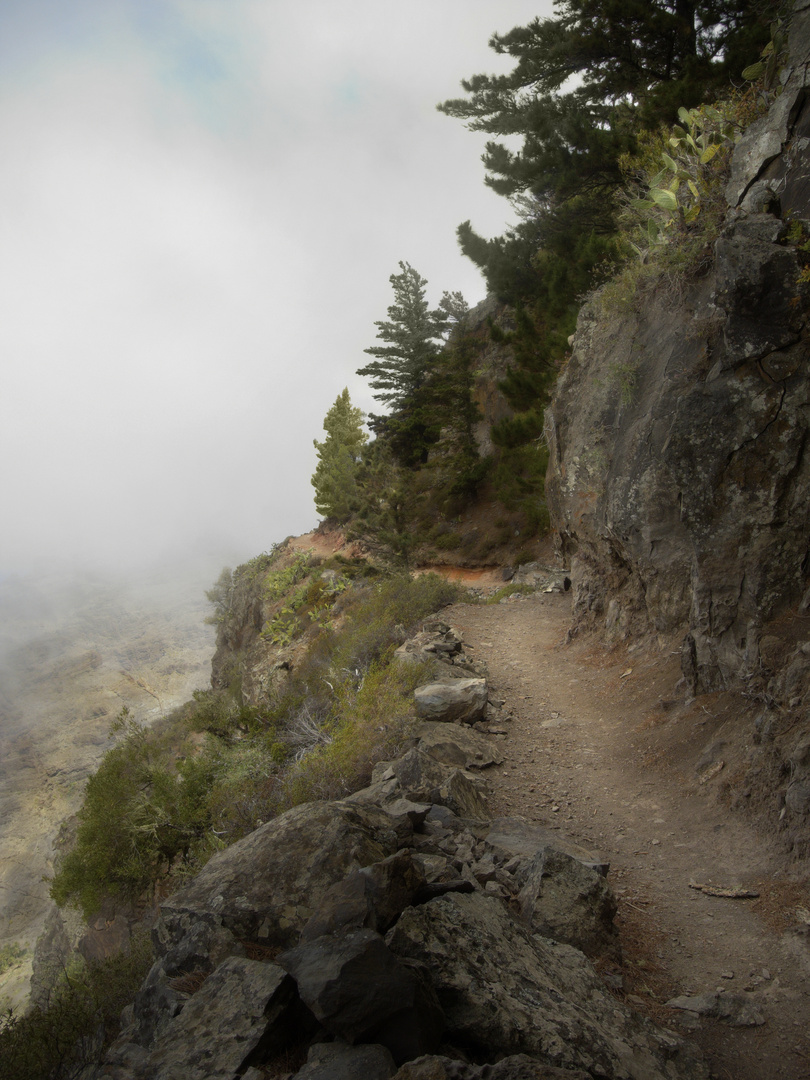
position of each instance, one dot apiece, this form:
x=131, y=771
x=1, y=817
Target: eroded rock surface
x=503, y=988
x=267, y=885
x=679, y=484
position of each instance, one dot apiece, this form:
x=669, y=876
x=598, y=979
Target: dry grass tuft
x=265, y=953
x=287, y=1063
x=190, y=982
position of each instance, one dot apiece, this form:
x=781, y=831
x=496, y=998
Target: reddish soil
x=602, y=746
x=325, y=542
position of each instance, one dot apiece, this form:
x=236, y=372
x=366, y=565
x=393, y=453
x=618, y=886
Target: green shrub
x=518, y=482
x=242, y=794
x=11, y=955
x=385, y=613
x=674, y=198
x=141, y=811
x=57, y=1041
x=448, y=541
x=161, y=803
x=371, y=722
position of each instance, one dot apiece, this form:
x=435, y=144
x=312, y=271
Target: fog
x=201, y=203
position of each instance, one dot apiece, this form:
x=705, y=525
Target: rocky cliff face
x=679, y=485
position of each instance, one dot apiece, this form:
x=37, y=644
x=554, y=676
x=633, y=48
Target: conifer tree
x=584, y=83
x=335, y=476
x=411, y=335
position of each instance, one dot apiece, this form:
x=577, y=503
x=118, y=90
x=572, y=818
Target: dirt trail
x=602, y=747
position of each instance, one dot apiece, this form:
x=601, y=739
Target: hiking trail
x=602, y=746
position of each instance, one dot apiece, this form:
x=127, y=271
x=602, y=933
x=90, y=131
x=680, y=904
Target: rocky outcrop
x=462, y=700
x=266, y=887
x=679, y=484
x=400, y=928
x=510, y=991
x=492, y=363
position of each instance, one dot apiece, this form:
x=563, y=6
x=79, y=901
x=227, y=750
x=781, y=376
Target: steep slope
x=73, y=652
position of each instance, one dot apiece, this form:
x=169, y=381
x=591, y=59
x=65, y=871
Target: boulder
x=237, y=1012
x=460, y=701
x=361, y=992
x=339, y=1061
x=514, y=837
x=435, y=642
x=738, y=1010
x=507, y=991
x=461, y=795
x=265, y=887
x=562, y=899
x=425, y=780
x=202, y=945
x=373, y=896
x=155, y=1006
x=456, y=745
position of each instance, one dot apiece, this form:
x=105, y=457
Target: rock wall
x=679, y=485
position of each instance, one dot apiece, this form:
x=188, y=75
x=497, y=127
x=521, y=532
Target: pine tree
x=583, y=85
x=411, y=334
x=413, y=339
x=335, y=476
x=634, y=58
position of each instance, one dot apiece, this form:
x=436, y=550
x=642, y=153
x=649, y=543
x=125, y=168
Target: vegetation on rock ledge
x=165, y=798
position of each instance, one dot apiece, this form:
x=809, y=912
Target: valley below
x=74, y=651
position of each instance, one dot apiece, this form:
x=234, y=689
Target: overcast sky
x=201, y=203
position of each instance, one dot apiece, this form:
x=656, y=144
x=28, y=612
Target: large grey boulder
x=515, y=838
x=457, y=745
x=339, y=1061
x=506, y=991
x=237, y=1011
x=372, y=897
x=462, y=701
x=738, y=1010
x=267, y=886
x=562, y=899
x=425, y=780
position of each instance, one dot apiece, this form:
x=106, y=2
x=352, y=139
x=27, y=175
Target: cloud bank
x=201, y=204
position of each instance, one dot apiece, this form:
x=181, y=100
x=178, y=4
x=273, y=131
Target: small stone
x=726, y=974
